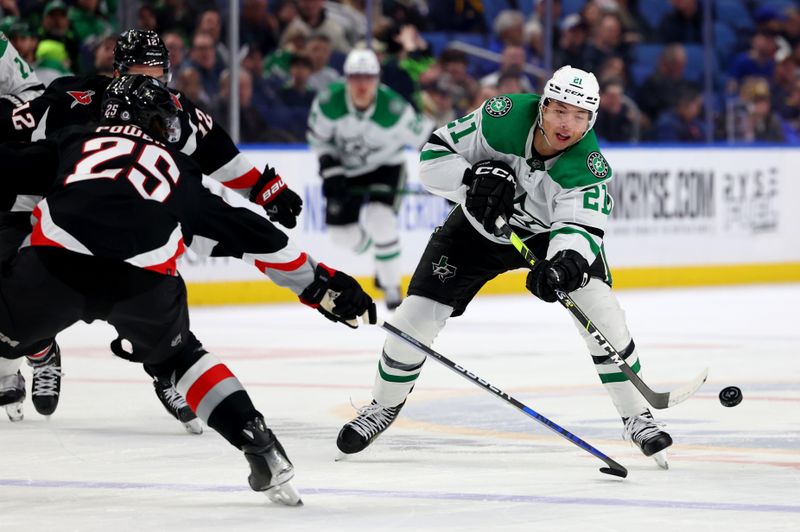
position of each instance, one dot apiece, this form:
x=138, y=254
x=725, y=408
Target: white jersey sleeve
x=18, y=82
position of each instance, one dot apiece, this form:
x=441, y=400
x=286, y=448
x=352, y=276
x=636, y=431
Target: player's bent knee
x=380, y=221
x=350, y=236
x=420, y=317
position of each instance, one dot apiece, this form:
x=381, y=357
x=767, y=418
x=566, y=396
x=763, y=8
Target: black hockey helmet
x=142, y=101
x=140, y=47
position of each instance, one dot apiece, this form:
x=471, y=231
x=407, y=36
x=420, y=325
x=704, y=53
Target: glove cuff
x=314, y=292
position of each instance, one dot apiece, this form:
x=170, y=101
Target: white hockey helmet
x=363, y=62
x=575, y=87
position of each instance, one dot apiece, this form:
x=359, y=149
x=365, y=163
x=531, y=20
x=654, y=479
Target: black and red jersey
x=75, y=100
x=111, y=191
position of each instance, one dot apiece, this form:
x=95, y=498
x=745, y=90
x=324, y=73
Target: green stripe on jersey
x=429, y=155
x=574, y=231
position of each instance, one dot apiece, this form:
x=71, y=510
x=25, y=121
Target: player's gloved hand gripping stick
x=659, y=400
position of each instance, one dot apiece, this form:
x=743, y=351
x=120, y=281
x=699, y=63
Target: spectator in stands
x=683, y=122
x=534, y=41
x=56, y=33
x=571, y=49
x=605, y=42
x=508, y=29
x=632, y=23
x=512, y=61
x=463, y=86
x=318, y=49
x=769, y=19
x=612, y=68
x=759, y=60
x=312, y=16
x=87, y=22
x=24, y=40
x=539, y=15
x=293, y=41
x=683, y=24
x=9, y=8
x=784, y=78
x=190, y=83
x=437, y=101
x=791, y=26
x=52, y=61
x=179, y=15
x=660, y=90
x=483, y=94
x=350, y=15
x=253, y=127
x=258, y=27
x=406, y=57
x=458, y=15
x=510, y=84
x=147, y=18
x=210, y=22
x=761, y=122
x=203, y=58
x=616, y=120
x=402, y=12
x=104, y=56
x=297, y=96
x=176, y=47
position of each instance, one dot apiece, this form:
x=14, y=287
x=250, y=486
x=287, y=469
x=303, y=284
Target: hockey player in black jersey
x=76, y=100
x=119, y=208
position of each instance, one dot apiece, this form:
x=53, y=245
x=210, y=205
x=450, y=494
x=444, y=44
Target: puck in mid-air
x=730, y=396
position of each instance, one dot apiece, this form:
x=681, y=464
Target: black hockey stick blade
x=658, y=400
x=613, y=468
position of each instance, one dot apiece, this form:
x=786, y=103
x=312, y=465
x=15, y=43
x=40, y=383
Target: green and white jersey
x=363, y=141
x=566, y=195
x=18, y=83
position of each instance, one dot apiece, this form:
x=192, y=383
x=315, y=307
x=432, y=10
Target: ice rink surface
x=111, y=459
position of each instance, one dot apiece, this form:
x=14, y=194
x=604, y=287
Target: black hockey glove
x=282, y=204
x=490, y=193
x=339, y=297
x=566, y=271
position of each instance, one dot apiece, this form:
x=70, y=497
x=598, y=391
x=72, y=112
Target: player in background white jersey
x=359, y=129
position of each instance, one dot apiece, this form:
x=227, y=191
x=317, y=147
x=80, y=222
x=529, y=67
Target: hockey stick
x=659, y=400
x=613, y=467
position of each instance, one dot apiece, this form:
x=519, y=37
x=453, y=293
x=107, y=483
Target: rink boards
x=681, y=217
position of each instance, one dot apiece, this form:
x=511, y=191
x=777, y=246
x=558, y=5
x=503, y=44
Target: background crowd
x=448, y=56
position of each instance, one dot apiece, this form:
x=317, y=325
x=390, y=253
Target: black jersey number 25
x=152, y=163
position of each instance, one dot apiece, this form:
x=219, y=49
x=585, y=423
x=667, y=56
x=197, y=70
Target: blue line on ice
x=485, y=497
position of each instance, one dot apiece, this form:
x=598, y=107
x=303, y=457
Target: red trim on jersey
x=244, y=181
x=37, y=235
x=168, y=267
x=282, y=266
x=199, y=388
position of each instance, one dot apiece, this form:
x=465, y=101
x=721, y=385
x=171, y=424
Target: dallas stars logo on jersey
x=442, y=270
x=597, y=164
x=498, y=106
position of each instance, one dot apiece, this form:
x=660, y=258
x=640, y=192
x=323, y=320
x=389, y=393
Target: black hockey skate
x=12, y=395
x=46, y=384
x=370, y=423
x=270, y=468
x=176, y=405
x=648, y=436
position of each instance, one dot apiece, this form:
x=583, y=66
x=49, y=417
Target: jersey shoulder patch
x=581, y=165
x=389, y=107
x=506, y=121
x=333, y=101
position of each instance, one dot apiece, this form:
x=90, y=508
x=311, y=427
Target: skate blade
x=340, y=456
x=193, y=427
x=661, y=459
x=15, y=412
x=285, y=494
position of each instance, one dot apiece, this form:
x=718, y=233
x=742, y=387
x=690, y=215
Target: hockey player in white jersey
x=18, y=85
x=359, y=129
x=533, y=160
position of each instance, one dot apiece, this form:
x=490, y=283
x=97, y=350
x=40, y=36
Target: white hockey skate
x=12, y=395
x=270, y=468
x=648, y=436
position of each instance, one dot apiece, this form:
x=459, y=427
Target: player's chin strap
x=659, y=400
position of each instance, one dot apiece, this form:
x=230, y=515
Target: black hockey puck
x=730, y=396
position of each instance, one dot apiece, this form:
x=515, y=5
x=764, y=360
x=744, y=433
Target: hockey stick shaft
x=613, y=467
x=658, y=400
